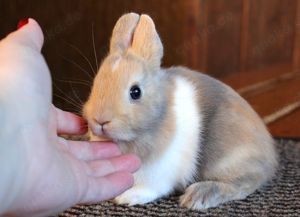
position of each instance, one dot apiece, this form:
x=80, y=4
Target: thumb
x=30, y=35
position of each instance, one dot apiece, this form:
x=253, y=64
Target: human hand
x=42, y=173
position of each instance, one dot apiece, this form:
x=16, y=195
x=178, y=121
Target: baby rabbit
x=191, y=131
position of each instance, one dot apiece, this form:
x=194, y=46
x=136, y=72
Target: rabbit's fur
x=191, y=131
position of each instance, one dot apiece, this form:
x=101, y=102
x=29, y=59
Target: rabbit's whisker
x=94, y=46
x=81, y=54
x=76, y=95
x=83, y=82
x=76, y=109
x=78, y=66
x=68, y=99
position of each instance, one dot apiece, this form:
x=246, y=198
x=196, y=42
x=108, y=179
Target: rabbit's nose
x=101, y=122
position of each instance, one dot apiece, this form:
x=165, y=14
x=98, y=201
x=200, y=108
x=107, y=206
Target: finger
x=69, y=123
x=129, y=163
x=92, y=150
x=107, y=187
x=29, y=35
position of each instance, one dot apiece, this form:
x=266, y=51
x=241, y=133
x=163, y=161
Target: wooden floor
x=274, y=92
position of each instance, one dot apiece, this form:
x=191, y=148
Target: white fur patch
x=178, y=164
x=115, y=64
x=188, y=125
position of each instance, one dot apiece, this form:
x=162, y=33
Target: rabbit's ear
x=123, y=32
x=146, y=42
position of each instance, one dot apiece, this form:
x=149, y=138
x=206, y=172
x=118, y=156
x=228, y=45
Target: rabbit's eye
x=135, y=92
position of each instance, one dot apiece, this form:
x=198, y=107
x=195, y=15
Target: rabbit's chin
x=113, y=137
x=121, y=136
x=93, y=137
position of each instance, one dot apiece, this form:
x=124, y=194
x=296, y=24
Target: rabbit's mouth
x=100, y=138
x=96, y=135
x=98, y=131
x=108, y=132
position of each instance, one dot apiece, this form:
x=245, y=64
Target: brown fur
x=236, y=153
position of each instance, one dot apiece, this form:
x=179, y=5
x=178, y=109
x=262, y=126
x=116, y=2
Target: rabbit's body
x=190, y=130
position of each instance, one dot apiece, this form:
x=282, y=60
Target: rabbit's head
x=128, y=97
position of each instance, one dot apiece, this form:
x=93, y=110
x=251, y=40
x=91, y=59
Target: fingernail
x=23, y=22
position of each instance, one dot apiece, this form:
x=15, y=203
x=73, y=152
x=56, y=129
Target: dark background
x=253, y=45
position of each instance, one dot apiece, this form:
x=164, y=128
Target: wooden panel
x=245, y=79
x=288, y=126
x=192, y=48
x=277, y=96
x=296, y=51
x=223, y=31
x=244, y=34
x=271, y=30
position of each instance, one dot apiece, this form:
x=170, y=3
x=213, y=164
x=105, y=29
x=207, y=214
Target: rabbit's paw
x=203, y=195
x=136, y=195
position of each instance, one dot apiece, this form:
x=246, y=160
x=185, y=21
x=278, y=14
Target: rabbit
x=192, y=132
